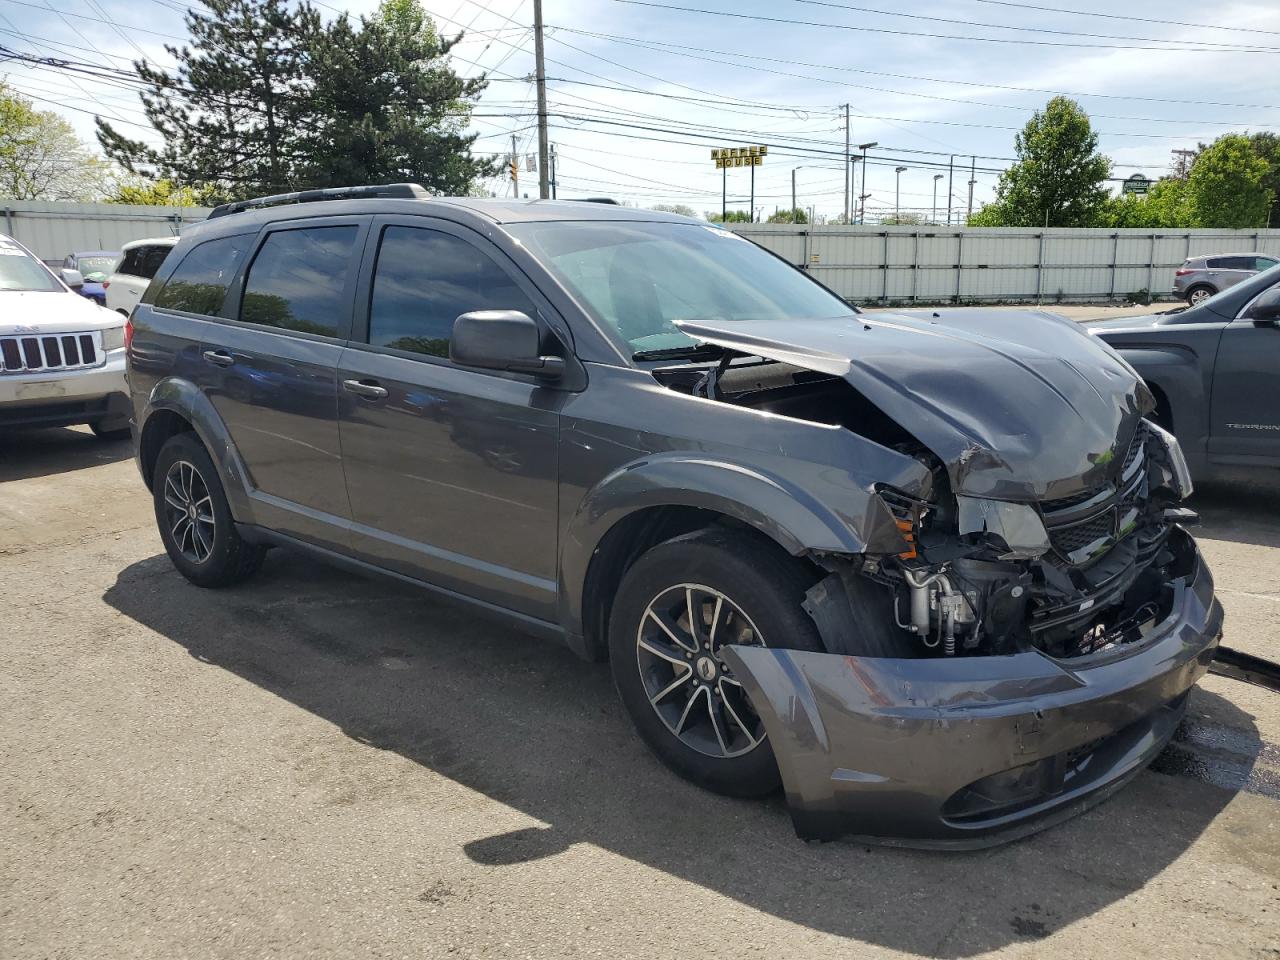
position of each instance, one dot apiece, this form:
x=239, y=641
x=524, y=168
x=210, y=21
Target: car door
x=451, y=472
x=270, y=370
x=1228, y=271
x=1245, y=414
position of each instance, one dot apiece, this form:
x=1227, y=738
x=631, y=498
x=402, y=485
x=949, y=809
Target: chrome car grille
x=49, y=352
x=1085, y=526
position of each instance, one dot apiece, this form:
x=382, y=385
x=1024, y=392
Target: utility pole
x=515, y=169
x=934, y=218
x=724, y=194
x=1182, y=162
x=973, y=178
x=864, y=147
x=753, y=193
x=540, y=67
x=553, y=171
x=897, y=186
x=848, y=169
x=793, y=194
x=951, y=173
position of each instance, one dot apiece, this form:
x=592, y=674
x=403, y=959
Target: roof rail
x=593, y=200
x=402, y=191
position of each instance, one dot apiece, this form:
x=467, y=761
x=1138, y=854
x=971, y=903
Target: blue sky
x=702, y=79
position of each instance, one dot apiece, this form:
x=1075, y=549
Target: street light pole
x=793, y=194
x=864, y=147
x=936, y=178
x=897, y=187
x=848, y=169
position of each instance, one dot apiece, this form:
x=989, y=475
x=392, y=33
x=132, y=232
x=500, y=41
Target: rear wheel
x=195, y=519
x=678, y=606
x=1198, y=295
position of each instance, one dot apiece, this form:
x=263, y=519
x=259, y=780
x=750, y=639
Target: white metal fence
x=52, y=230
x=930, y=264
x=913, y=264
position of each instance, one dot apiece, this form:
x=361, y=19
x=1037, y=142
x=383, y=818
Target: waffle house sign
x=726, y=157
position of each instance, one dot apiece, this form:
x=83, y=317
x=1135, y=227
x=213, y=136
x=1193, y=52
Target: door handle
x=368, y=389
x=219, y=358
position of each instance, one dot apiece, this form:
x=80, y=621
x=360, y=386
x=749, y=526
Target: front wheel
x=678, y=606
x=195, y=519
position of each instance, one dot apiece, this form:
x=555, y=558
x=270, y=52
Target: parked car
x=930, y=576
x=95, y=267
x=1214, y=369
x=139, y=262
x=1199, y=278
x=61, y=356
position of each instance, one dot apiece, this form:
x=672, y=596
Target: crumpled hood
x=1019, y=405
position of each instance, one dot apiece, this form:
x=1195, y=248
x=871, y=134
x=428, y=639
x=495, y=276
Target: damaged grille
x=1084, y=526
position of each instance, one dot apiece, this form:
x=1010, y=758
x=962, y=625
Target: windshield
x=20, y=271
x=88, y=265
x=638, y=278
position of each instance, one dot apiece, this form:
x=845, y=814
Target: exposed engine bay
x=1068, y=575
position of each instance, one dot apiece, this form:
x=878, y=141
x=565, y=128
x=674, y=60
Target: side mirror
x=501, y=340
x=71, y=278
x=1266, y=309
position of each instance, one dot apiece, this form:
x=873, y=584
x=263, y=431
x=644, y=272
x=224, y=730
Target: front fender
x=184, y=398
x=1178, y=373
x=817, y=510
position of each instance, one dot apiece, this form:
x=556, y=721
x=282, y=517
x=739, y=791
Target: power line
x=646, y=43
x=936, y=36
x=1125, y=16
x=1005, y=26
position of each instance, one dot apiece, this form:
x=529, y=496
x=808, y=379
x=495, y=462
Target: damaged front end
x=1022, y=630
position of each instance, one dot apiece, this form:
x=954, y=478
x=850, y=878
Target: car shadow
x=29, y=454
x=1240, y=506
x=529, y=725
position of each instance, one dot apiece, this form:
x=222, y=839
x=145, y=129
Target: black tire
x=207, y=551
x=109, y=430
x=766, y=586
x=1199, y=293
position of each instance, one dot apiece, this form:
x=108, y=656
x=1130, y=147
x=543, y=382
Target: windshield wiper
x=695, y=351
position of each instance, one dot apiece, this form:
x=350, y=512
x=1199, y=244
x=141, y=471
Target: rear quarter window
x=144, y=261
x=200, y=282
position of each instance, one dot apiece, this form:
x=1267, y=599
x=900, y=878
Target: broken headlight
x=1177, y=473
x=1017, y=526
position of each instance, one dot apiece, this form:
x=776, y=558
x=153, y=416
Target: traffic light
x=515, y=170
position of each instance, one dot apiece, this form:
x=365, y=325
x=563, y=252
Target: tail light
x=105, y=284
x=128, y=333
x=1182, y=273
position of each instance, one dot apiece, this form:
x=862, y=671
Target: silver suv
x=1199, y=278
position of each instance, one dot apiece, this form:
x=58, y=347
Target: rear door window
x=200, y=282
x=424, y=280
x=1231, y=263
x=144, y=261
x=298, y=280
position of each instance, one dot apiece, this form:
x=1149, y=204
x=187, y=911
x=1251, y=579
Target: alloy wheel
x=678, y=651
x=189, y=511
x=1199, y=296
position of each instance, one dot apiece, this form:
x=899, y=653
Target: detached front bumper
x=973, y=751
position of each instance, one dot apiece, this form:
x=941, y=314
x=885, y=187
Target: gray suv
x=930, y=576
x=1199, y=278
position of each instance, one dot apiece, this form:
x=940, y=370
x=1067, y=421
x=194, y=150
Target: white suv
x=139, y=262
x=61, y=355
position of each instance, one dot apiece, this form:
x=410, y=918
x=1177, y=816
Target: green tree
x=682, y=209
x=1059, y=179
x=733, y=216
x=1228, y=185
x=159, y=193
x=231, y=113
x=388, y=106
x=1267, y=146
x=789, y=216
x=41, y=158
x=1167, y=205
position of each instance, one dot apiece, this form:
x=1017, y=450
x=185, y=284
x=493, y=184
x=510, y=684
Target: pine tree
x=388, y=106
x=232, y=112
